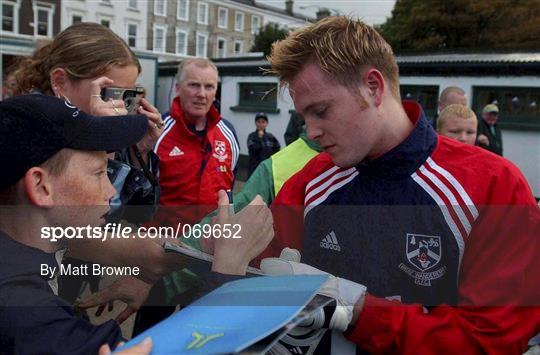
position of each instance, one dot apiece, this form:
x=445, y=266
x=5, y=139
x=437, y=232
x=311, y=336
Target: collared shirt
x=33, y=319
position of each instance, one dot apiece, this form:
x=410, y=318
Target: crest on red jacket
x=220, y=151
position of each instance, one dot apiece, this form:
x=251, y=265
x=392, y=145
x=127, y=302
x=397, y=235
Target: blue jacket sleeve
x=39, y=322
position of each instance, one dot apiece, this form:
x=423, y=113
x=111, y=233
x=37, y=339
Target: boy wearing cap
x=261, y=144
x=489, y=134
x=56, y=176
x=57, y=162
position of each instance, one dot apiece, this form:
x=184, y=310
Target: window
x=160, y=7
x=181, y=42
x=238, y=47
x=10, y=16
x=519, y=107
x=202, y=45
x=255, y=97
x=223, y=17
x=132, y=34
x=43, y=16
x=76, y=19
x=221, y=49
x=160, y=33
x=255, y=24
x=106, y=23
x=202, y=13
x=426, y=95
x=182, y=10
x=239, y=21
x=132, y=4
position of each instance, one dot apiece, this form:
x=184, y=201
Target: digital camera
x=131, y=97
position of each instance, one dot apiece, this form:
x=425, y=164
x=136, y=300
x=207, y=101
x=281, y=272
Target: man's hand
x=232, y=256
x=349, y=295
x=260, y=133
x=143, y=348
x=483, y=139
x=129, y=290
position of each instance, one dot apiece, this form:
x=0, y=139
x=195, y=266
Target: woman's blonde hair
x=83, y=50
x=343, y=47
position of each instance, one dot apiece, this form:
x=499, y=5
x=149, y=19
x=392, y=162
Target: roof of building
x=470, y=64
x=531, y=57
x=443, y=64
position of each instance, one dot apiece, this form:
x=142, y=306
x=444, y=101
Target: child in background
x=261, y=144
x=458, y=122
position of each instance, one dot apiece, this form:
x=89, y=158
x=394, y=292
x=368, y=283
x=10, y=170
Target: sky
x=372, y=12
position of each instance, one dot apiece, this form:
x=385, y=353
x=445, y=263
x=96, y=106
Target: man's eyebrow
x=312, y=105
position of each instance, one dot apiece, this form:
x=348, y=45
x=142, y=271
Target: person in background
x=294, y=128
x=7, y=85
x=198, y=152
x=261, y=144
x=489, y=134
x=449, y=96
x=458, y=122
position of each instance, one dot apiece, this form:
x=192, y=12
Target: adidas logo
x=330, y=242
x=296, y=350
x=176, y=152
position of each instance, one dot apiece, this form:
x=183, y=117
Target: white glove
x=345, y=292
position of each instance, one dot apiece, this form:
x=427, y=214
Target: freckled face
x=83, y=190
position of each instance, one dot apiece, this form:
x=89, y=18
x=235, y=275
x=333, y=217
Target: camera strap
x=149, y=175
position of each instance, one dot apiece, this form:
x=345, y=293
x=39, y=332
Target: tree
x=268, y=34
x=427, y=25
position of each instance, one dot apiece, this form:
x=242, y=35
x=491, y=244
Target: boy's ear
x=38, y=187
x=373, y=80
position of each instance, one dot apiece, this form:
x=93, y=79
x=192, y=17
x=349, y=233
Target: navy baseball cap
x=261, y=115
x=35, y=127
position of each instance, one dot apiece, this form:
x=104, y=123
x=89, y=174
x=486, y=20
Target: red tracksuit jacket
x=192, y=168
x=479, y=283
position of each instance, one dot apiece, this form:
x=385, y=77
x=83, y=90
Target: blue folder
x=234, y=316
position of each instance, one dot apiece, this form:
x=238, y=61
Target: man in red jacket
x=197, y=150
x=433, y=244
